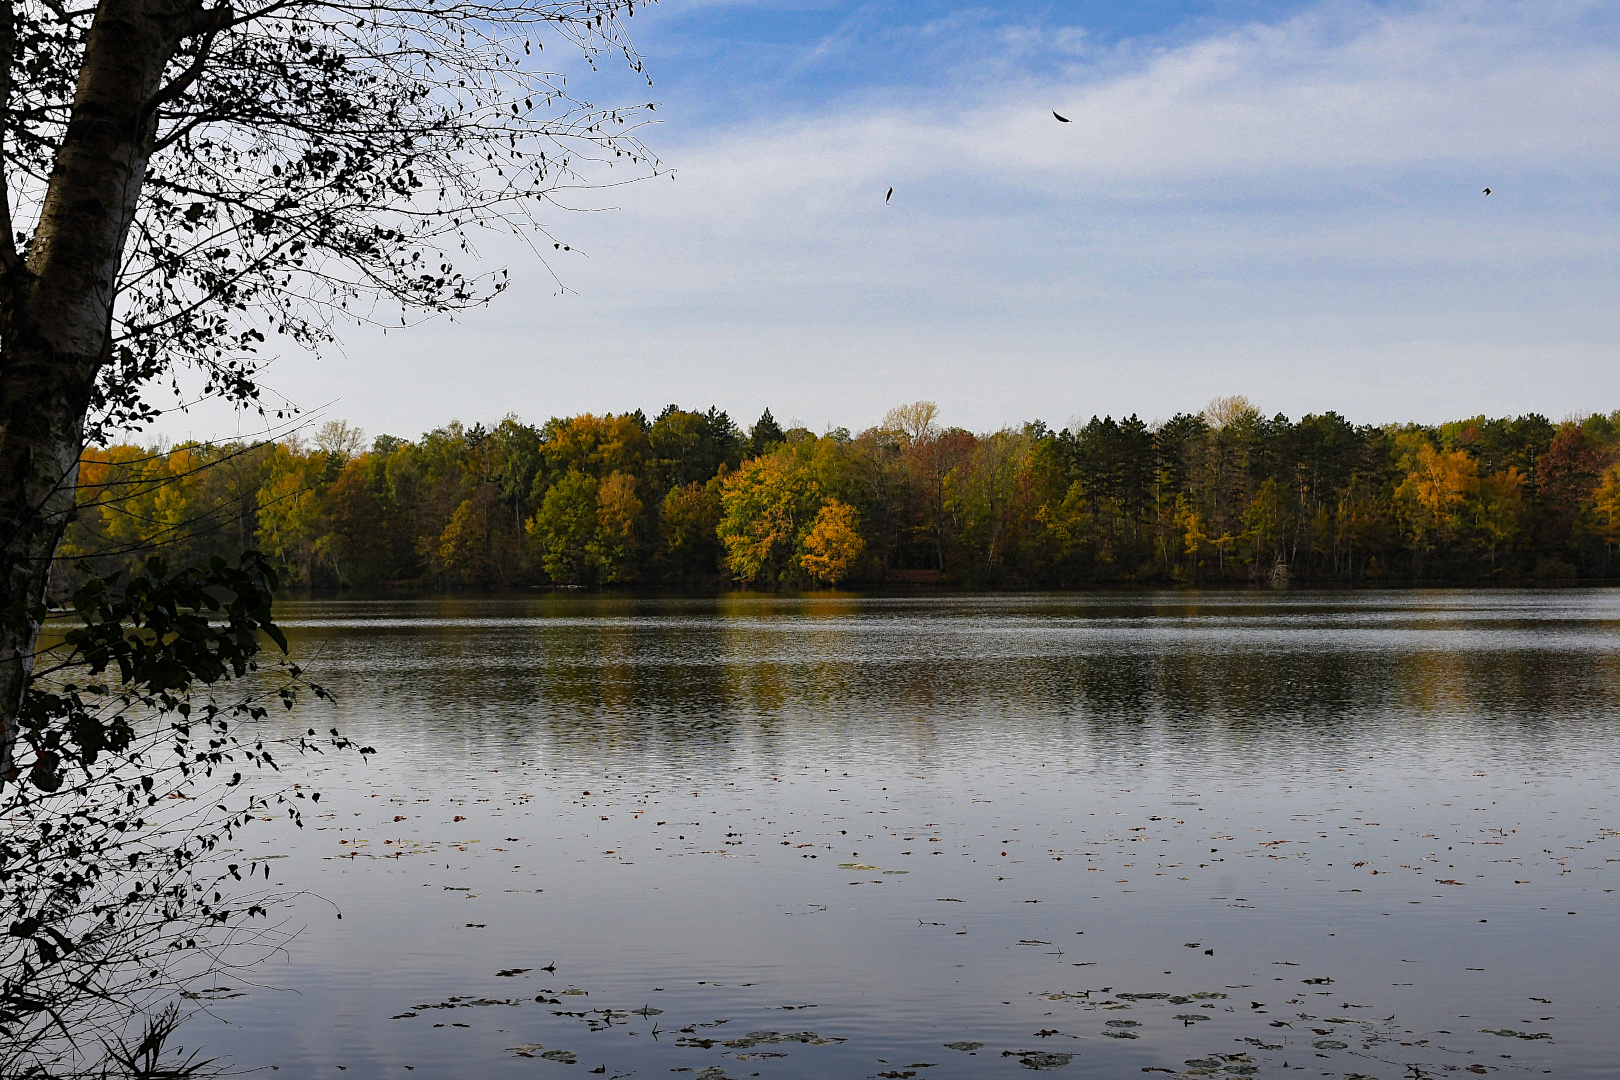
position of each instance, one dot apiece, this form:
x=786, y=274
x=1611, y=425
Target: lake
x=1344, y=835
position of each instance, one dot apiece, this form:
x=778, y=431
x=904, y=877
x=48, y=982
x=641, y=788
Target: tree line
x=693, y=500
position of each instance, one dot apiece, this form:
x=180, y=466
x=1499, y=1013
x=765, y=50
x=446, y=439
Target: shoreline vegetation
x=690, y=501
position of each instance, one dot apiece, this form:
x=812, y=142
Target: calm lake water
x=1369, y=835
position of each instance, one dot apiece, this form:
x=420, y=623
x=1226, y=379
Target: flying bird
x=1061, y=119
x=1487, y=191
x=890, y=195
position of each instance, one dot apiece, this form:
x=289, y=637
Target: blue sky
x=1282, y=200
x=749, y=57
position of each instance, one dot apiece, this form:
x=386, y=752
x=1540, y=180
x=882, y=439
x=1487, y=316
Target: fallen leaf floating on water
x=1229, y=1064
x=1039, y=1059
x=756, y=1038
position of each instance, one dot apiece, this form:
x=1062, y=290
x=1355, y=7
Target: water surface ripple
x=1363, y=835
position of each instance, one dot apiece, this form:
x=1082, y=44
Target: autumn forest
x=693, y=500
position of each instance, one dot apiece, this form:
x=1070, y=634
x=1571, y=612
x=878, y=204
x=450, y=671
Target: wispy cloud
x=1321, y=92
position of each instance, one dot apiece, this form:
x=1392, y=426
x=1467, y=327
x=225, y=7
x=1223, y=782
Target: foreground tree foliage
x=145, y=706
x=691, y=500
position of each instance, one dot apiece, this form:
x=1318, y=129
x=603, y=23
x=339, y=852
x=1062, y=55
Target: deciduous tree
x=833, y=545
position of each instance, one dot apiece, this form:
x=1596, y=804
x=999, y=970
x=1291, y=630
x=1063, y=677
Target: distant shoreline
x=406, y=592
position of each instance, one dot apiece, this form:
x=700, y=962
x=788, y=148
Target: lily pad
x=965, y=1047
x=567, y=1057
x=1121, y=1035
x=527, y=1050
x=1330, y=1044
x=1123, y=1024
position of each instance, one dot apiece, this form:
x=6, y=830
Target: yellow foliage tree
x=1606, y=507
x=1190, y=523
x=833, y=543
x=290, y=520
x=595, y=445
x=463, y=549
x=766, y=504
x=1066, y=525
x=618, y=512
x=1499, y=511
x=1434, y=497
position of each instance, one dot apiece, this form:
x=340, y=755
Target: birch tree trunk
x=56, y=305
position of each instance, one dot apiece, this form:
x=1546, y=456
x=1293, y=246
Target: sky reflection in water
x=1096, y=835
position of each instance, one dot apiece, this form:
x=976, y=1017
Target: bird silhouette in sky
x=1061, y=119
x=1487, y=191
x=887, y=197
